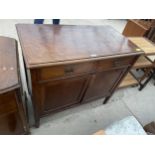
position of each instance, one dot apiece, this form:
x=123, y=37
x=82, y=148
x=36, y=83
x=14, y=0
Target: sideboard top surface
x=8, y=64
x=45, y=45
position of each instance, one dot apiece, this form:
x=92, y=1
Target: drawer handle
x=117, y=63
x=69, y=70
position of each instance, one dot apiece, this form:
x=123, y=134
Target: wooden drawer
x=114, y=63
x=65, y=70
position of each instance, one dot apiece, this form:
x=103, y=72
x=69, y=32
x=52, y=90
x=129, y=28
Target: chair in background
x=41, y=21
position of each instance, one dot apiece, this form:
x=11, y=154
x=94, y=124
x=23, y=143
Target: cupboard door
x=10, y=120
x=102, y=83
x=56, y=95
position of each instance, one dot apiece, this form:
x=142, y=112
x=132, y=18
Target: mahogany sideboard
x=12, y=114
x=71, y=65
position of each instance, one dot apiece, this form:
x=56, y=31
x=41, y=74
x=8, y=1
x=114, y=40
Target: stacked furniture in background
x=143, y=64
x=130, y=79
x=139, y=27
x=151, y=33
x=12, y=113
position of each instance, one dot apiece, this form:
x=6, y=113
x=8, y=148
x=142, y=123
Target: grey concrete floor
x=90, y=117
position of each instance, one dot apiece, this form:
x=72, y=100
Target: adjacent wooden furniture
x=129, y=80
x=142, y=62
x=12, y=114
x=136, y=28
x=148, y=67
x=71, y=65
x=145, y=44
x=140, y=28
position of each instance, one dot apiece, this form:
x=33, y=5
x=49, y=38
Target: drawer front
x=114, y=63
x=65, y=70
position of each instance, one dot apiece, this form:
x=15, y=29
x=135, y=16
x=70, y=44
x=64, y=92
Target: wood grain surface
x=143, y=43
x=51, y=44
x=12, y=114
x=8, y=64
x=72, y=65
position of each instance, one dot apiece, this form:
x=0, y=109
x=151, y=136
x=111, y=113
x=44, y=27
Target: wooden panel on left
x=12, y=114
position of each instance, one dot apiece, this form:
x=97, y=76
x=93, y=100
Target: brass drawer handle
x=69, y=70
x=118, y=63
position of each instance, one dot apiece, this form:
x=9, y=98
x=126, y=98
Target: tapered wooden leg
x=106, y=99
x=37, y=124
x=37, y=119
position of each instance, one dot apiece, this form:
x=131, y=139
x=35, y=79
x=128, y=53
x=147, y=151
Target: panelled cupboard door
x=10, y=119
x=102, y=83
x=56, y=95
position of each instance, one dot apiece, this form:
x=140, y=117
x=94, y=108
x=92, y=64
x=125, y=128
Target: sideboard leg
x=36, y=118
x=37, y=123
x=106, y=99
